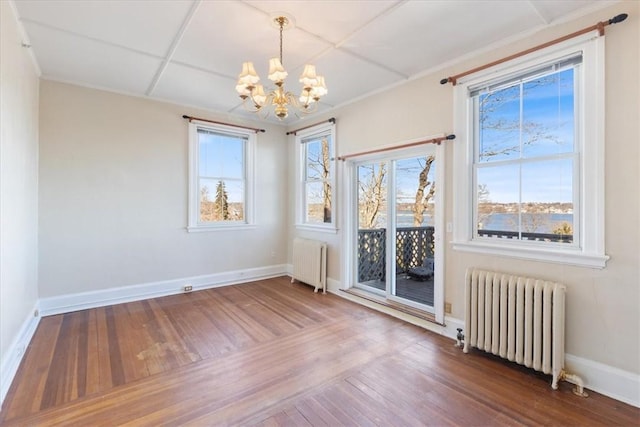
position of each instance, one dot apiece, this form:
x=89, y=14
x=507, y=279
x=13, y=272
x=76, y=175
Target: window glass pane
x=314, y=160
x=372, y=196
x=318, y=158
x=547, y=115
x=318, y=209
x=318, y=167
x=498, y=200
x=235, y=190
x=547, y=197
x=415, y=191
x=221, y=200
x=220, y=155
x=499, y=124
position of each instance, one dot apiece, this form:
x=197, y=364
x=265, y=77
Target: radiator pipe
x=574, y=379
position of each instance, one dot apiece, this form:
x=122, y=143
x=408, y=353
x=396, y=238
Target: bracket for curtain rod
x=599, y=26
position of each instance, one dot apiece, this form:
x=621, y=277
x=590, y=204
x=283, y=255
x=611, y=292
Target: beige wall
x=603, y=306
x=113, y=195
x=18, y=186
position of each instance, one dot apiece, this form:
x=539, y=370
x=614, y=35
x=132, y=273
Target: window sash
x=237, y=179
x=519, y=232
x=311, y=210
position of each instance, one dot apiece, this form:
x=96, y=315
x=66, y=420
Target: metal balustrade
x=414, y=244
x=538, y=237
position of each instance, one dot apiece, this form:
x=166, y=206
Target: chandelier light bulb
x=276, y=70
x=258, y=96
x=320, y=89
x=248, y=76
x=308, y=77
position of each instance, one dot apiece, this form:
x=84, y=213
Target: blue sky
x=221, y=158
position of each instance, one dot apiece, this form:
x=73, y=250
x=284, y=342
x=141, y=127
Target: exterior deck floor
x=408, y=288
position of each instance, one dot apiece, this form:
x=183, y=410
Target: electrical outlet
x=187, y=288
x=447, y=307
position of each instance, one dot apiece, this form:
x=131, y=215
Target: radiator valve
x=459, y=338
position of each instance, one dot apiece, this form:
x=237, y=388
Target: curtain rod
x=221, y=123
x=599, y=26
x=331, y=120
x=410, y=144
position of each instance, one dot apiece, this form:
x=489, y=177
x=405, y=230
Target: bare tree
x=485, y=208
x=422, y=199
x=206, y=206
x=490, y=119
x=372, y=195
x=321, y=165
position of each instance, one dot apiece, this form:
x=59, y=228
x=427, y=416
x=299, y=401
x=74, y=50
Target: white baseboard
x=104, y=297
x=333, y=286
x=604, y=379
x=12, y=358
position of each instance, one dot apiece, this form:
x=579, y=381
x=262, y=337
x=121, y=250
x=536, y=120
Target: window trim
x=590, y=251
x=193, y=223
x=301, y=224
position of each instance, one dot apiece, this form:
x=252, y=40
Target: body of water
x=535, y=223
x=538, y=223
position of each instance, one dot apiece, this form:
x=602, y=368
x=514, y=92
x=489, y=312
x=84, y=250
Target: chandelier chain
x=281, y=22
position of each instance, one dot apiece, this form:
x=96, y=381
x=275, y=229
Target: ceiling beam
x=173, y=47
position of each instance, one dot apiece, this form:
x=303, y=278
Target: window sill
x=319, y=228
x=568, y=257
x=226, y=227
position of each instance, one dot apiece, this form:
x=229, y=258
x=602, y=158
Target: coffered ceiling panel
x=191, y=51
x=84, y=61
x=147, y=26
x=194, y=87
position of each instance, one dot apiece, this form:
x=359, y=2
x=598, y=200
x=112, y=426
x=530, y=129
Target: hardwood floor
x=274, y=353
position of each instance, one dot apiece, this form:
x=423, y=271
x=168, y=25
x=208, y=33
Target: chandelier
x=253, y=95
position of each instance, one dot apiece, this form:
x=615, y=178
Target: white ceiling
x=190, y=51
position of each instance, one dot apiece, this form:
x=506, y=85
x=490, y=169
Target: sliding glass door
x=396, y=234
x=372, y=226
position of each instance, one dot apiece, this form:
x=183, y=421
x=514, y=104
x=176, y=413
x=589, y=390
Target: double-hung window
x=531, y=168
x=221, y=184
x=316, y=193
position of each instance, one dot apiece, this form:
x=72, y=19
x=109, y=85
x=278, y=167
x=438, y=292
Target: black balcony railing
x=538, y=237
x=414, y=244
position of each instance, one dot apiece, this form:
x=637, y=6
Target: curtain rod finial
x=618, y=18
x=452, y=136
x=444, y=81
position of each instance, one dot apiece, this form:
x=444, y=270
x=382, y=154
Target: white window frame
x=194, y=224
x=301, y=223
x=590, y=251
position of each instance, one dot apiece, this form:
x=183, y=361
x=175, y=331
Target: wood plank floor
x=272, y=353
